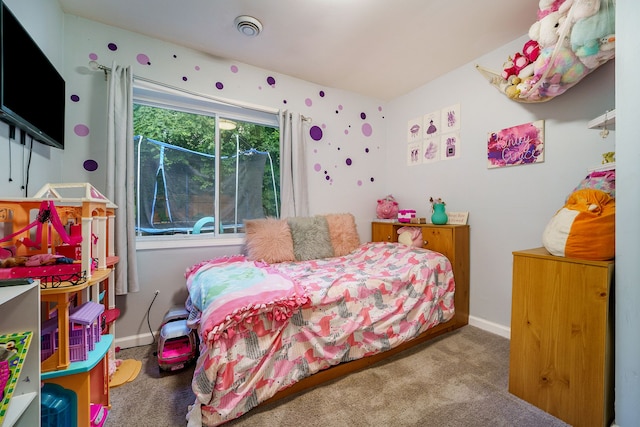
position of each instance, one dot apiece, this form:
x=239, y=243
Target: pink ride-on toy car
x=177, y=344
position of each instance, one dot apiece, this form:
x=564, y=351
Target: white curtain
x=120, y=176
x=294, y=194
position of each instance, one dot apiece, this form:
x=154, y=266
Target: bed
x=270, y=328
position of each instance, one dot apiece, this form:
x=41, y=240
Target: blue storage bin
x=58, y=407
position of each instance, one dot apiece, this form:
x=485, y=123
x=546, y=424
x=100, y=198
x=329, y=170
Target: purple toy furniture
x=84, y=329
x=84, y=332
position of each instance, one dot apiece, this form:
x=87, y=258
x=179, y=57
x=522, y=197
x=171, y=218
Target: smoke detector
x=248, y=25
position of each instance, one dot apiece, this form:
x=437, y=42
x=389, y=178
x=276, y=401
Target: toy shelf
x=61, y=298
x=604, y=167
x=89, y=379
x=607, y=120
x=47, y=225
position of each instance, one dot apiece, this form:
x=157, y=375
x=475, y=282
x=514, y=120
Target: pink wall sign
x=517, y=145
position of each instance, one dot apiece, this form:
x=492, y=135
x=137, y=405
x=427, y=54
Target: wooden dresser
x=561, y=356
x=450, y=240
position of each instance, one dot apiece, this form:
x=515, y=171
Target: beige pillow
x=269, y=240
x=343, y=233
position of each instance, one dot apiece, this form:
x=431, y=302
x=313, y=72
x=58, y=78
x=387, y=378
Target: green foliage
x=197, y=133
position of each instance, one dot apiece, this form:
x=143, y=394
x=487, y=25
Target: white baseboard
x=488, y=326
x=134, y=340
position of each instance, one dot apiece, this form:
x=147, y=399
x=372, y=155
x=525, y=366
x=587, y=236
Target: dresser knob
x=425, y=243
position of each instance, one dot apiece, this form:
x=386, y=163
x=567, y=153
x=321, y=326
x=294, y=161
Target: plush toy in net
x=573, y=37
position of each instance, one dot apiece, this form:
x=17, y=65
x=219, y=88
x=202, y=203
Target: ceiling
x=378, y=48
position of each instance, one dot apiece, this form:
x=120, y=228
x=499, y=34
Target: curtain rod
x=95, y=66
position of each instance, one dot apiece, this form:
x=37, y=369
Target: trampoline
x=175, y=191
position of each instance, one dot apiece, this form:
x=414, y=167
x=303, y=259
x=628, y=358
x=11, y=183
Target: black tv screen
x=32, y=92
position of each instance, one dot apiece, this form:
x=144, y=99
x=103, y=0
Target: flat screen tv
x=32, y=92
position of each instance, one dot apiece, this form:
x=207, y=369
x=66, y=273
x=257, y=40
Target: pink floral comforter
x=346, y=308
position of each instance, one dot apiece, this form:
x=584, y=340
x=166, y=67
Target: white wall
x=350, y=187
x=627, y=355
x=509, y=207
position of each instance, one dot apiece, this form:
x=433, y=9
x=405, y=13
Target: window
x=202, y=166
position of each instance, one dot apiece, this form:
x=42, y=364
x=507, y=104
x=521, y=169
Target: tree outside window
x=192, y=180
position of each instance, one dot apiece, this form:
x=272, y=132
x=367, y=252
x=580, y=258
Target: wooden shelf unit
x=607, y=120
x=561, y=357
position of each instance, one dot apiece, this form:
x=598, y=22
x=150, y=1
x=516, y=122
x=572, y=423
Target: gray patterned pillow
x=311, y=239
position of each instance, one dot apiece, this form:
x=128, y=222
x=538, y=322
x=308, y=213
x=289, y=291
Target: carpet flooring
x=457, y=380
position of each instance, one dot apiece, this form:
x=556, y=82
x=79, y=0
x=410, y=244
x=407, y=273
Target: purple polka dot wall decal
x=234, y=69
x=271, y=81
x=75, y=98
x=316, y=133
x=185, y=78
x=317, y=167
x=90, y=165
x=366, y=150
x=93, y=57
x=308, y=102
x=197, y=68
x=175, y=56
x=143, y=59
x=367, y=130
x=349, y=162
x=363, y=116
x=284, y=101
x=372, y=179
x=219, y=85
x=112, y=46
x=346, y=131
x=321, y=94
x=81, y=130
x=359, y=183
x=380, y=108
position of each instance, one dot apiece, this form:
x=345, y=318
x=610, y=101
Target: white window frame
x=155, y=95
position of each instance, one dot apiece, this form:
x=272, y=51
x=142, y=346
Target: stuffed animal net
x=570, y=39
